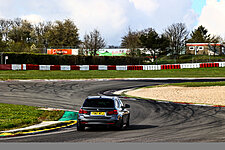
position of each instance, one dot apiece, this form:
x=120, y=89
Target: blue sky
x=197, y=5
x=113, y=17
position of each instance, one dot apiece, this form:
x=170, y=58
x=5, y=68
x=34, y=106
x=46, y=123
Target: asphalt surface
x=151, y=121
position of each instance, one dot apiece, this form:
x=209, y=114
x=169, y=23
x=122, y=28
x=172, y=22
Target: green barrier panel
x=69, y=115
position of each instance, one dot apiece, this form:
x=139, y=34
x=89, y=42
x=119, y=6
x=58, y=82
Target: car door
x=124, y=111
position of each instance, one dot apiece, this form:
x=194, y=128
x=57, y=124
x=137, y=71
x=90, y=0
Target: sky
x=113, y=18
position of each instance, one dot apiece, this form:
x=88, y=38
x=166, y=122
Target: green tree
x=153, y=42
x=21, y=35
x=41, y=35
x=132, y=42
x=63, y=34
x=200, y=35
x=93, y=42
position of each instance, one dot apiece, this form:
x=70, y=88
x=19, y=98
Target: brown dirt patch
x=214, y=95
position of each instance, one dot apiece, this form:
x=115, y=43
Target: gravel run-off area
x=213, y=95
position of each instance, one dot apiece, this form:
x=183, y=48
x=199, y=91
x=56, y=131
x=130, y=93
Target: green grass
x=94, y=74
x=196, y=84
x=18, y=116
x=192, y=84
x=190, y=59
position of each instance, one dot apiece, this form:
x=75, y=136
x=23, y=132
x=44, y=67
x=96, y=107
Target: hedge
x=45, y=59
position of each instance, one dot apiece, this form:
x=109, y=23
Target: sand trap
x=214, y=95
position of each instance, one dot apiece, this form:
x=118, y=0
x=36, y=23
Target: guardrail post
x=2, y=58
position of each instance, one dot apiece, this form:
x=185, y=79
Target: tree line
x=172, y=41
x=19, y=35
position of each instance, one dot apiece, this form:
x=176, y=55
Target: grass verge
x=18, y=116
x=94, y=74
x=192, y=84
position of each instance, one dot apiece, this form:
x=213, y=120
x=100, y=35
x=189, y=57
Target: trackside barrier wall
x=102, y=67
x=66, y=67
x=134, y=67
x=55, y=67
x=151, y=67
x=93, y=67
x=16, y=67
x=24, y=67
x=174, y=66
x=111, y=67
x=84, y=67
x=108, y=67
x=209, y=65
x=32, y=67
x=74, y=67
x=221, y=64
x=6, y=67
x=185, y=66
x=44, y=67
x=121, y=67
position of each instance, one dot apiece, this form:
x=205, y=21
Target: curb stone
x=46, y=126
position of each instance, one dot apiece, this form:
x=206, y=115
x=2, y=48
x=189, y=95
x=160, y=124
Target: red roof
x=202, y=44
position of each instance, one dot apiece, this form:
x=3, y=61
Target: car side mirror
x=127, y=106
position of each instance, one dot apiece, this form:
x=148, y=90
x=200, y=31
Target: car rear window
x=106, y=103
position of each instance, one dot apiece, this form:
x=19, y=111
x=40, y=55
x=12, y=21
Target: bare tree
x=93, y=42
x=177, y=34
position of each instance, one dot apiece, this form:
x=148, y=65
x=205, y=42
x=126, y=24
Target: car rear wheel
x=120, y=127
x=80, y=127
x=128, y=122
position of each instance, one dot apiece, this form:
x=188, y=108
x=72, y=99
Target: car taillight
x=81, y=111
x=114, y=112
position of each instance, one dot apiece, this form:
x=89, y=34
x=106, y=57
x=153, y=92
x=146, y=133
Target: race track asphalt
x=151, y=121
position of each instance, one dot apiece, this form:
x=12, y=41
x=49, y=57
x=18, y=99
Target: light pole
x=46, y=46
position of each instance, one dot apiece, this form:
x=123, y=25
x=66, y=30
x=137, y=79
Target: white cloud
x=147, y=6
x=111, y=17
x=35, y=19
x=105, y=15
x=4, y=6
x=213, y=17
x=190, y=19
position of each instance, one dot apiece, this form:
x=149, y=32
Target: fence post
x=2, y=58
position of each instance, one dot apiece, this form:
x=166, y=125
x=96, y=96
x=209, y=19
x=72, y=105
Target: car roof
x=102, y=97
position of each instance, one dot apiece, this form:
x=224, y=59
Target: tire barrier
x=185, y=66
x=32, y=67
x=93, y=67
x=112, y=67
x=74, y=67
x=55, y=67
x=17, y=67
x=209, y=65
x=45, y=67
x=6, y=67
x=221, y=64
x=109, y=67
x=102, y=67
x=176, y=66
x=134, y=67
x=121, y=67
x=84, y=67
x=151, y=67
x=65, y=67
